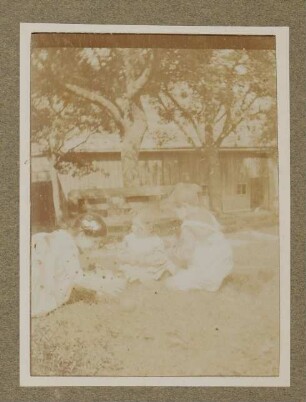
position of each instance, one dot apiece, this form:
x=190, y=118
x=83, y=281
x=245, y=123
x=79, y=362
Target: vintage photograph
x=154, y=217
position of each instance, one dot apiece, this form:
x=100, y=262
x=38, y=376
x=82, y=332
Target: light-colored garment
x=144, y=259
x=206, y=254
x=56, y=270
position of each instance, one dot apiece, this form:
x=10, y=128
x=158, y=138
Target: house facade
x=249, y=173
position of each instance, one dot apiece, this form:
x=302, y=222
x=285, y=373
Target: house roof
x=108, y=143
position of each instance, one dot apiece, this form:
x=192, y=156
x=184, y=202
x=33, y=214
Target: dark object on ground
x=91, y=224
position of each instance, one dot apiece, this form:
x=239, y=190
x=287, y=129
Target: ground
x=151, y=331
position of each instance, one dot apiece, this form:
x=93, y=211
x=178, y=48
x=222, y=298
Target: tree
x=123, y=104
x=210, y=94
x=214, y=93
x=65, y=102
x=55, y=120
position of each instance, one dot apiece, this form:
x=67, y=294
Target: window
x=241, y=189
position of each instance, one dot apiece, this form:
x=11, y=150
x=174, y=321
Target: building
x=249, y=174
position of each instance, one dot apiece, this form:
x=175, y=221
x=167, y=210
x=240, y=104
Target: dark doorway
x=42, y=208
x=257, y=192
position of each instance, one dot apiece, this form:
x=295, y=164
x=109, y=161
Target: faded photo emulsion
x=154, y=206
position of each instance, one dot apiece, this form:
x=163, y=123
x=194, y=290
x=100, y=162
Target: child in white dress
x=202, y=252
x=143, y=256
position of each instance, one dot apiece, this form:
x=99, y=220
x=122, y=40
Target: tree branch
x=227, y=132
x=98, y=100
x=98, y=58
x=80, y=143
x=56, y=112
x=221, y=117
x=184, y=111
x=244, y=98
x=181, y=126
x=133, y=87
x=93, y=130
x=233, y=126
x=248, y=92
x=58, y=150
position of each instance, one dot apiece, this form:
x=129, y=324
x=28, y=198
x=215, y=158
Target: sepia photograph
x=152, y=175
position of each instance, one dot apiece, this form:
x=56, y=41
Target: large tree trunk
x=214, y=179
x=130, y=149
x=129, y=163
x=55, y=191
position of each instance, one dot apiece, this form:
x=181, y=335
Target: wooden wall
x=172, y=167
x=250, y=171
x=169, y=168
x=154, y=168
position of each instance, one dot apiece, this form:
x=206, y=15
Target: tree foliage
x=211, y=95
x=216, y=91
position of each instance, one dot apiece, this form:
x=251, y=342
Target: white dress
x=144, y=259
x=55, y=269
x=207, y=256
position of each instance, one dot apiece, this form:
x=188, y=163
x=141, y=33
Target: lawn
x=149, y=330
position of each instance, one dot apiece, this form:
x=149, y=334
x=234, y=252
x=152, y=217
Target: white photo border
x=282, y=62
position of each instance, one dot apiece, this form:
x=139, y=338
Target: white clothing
x=206, y=254
x=144, y=258
x=55, y=269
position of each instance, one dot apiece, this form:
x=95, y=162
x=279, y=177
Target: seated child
x=56, y=270
x=202, y=251
x=143, y=256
